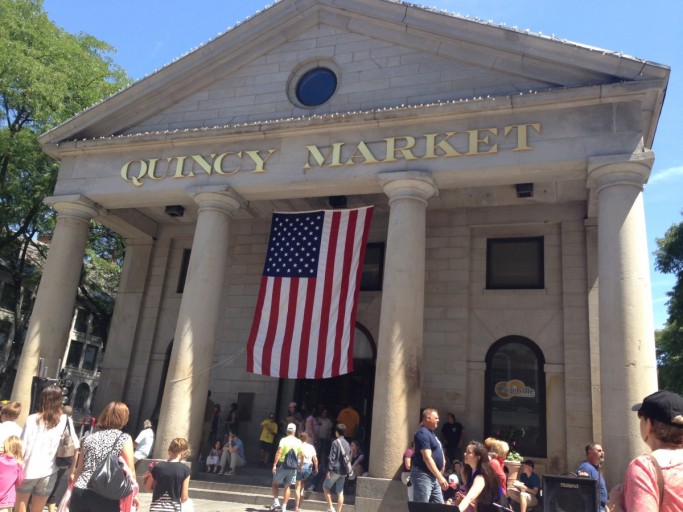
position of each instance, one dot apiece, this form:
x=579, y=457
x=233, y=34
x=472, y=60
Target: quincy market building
x=506, y=276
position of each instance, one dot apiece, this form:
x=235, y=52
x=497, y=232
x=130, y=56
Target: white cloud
x=671, y=173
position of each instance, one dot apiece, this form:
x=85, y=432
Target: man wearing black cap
x=655, y=482
x=526, y=487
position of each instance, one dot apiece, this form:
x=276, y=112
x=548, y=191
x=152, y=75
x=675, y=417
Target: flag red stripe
x=306, y=329
x=272, y=325
x=256, y=324
x=289, y=327
x=327, y=295
x=359, y=273
x=343, y=292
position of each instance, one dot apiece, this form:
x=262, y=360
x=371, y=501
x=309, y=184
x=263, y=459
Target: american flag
x=306, y=311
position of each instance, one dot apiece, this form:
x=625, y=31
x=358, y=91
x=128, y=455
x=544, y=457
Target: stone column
x=627, y=349
x=53, y=310
x=396, y=404
x=187, y=383
x=123, y=329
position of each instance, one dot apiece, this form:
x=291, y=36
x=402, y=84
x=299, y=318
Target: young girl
x=169, y=480
x=213, y=460
x=11, y=472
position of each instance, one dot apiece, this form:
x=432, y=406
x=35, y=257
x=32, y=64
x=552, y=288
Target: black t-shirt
x=451, y=433
x=169, y=477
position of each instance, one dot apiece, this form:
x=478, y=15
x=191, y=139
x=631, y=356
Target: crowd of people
x=46, y=463
x=480, y=484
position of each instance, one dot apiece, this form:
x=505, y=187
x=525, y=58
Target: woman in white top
x=309, y=465
x=41, y=435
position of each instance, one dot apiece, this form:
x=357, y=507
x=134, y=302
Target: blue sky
x=149, y=34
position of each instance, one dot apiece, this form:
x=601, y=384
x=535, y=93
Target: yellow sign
x=514, y=388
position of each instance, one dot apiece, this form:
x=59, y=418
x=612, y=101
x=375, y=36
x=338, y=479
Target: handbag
x=66, y=448
x=347, y=463
x=109, y=479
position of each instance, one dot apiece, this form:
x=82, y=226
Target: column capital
x=74, y=206
x=216, y=198
x=630, y=169
x=418, y=185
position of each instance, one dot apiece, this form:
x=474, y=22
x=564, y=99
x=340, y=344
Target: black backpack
x=291, y=460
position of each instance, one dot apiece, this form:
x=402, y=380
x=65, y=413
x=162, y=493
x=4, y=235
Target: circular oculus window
x=316, y=86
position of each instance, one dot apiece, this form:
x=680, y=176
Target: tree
x=46, y=77
x=669, y=260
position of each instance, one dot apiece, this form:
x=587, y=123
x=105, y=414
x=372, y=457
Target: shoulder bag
x=347, y=463
x=66, y=448
x=109, y=479
x=660, y=480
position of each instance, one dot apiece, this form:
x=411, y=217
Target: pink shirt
x=11, y=476
x=640, y=486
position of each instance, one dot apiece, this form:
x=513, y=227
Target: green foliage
x=669, y=260
x=46, y=77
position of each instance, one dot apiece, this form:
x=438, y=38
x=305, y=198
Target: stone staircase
x=253, y=486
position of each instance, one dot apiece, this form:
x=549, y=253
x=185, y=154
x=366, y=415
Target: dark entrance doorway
x=355, y=389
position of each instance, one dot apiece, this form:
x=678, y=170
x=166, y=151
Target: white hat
x=291, y=427
x=453, y=481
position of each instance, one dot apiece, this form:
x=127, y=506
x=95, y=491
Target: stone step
x=253, y=486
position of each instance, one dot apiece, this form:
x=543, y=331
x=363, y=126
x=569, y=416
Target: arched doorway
x=355, y=389
x=82, y=394
x=515, y=405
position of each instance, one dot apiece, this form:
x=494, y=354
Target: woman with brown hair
x=482, y=482
x=41, y=436
x=169, y=480
x=97, y=447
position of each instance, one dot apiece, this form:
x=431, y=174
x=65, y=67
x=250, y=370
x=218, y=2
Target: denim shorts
x=39, y=486
x=284, y=476
x=304, y=472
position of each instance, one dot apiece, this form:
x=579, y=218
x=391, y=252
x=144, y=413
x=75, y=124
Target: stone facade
x=435, y=121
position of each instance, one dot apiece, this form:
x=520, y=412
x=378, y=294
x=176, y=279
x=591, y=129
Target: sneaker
x=276, y=506
x=329, y=510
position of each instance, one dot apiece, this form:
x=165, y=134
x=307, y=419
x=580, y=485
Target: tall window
x=515, y=395
x=514, y=263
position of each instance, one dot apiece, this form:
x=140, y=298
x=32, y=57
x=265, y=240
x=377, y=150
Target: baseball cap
x=528, y=462
x=452, y=480
x=291, y=427
x=292, y=404
x=663, y=406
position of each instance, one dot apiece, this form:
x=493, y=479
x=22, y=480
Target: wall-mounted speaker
x=570, y=494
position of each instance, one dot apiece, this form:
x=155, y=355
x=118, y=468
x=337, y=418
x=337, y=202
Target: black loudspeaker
x=570, y=494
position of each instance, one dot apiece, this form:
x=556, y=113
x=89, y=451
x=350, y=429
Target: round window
x=316, y=86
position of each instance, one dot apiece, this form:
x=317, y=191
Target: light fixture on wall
x=524, y=190
x=175, y=210
x=337, y=201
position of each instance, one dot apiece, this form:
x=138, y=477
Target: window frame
x=539, y=449
x=539, y=284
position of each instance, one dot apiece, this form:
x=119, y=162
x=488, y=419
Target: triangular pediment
x=385, y=54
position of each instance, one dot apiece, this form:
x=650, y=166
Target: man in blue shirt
x=526, y=487
x=427, y=464
x=233, y=455
x=590, y=468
